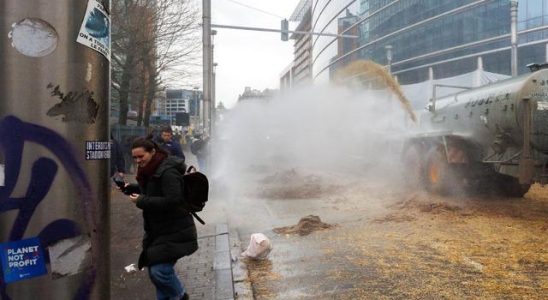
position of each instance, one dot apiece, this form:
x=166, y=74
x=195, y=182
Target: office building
x=181, y=101
x=443, y=37
x=299, y=71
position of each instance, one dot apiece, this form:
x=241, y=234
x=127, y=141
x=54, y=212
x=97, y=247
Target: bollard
x=54, y=149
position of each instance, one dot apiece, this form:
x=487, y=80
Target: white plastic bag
x=131, y=268
x=259, y=247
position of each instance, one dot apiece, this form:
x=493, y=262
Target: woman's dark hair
x=148, y=144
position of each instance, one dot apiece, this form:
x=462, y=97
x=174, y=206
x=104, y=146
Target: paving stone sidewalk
x=207, y=274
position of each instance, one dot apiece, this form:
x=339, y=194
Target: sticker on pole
x=95, y=29
x=96, y=150
x=22, y=260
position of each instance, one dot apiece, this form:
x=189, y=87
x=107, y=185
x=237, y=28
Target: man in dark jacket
x=170, y=232
x=169, y=144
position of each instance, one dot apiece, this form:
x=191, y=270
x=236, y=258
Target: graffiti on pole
x=14, y=133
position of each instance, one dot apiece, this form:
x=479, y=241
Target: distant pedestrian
x=117, y=163
x=168, y=143
x=177, y=136
x=199, y=147
x=188, y=138
x=170, y=232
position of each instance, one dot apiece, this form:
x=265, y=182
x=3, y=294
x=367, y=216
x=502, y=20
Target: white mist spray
x=318, y=130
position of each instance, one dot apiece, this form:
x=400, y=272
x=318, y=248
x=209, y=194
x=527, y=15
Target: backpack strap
x=189, y=170
x=198, y=218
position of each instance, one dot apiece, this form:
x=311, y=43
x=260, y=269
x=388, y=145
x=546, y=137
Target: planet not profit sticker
x=23, y=259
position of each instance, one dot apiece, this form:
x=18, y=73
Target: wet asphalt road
x=389, y=243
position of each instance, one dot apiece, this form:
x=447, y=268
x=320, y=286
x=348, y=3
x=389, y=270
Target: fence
x=125, y=135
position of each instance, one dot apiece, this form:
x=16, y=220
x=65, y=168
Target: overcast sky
x=249, y=58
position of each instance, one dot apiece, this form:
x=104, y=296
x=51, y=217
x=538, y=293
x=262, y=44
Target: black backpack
x=195, y=191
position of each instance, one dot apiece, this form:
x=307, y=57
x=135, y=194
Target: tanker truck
x=493, y=137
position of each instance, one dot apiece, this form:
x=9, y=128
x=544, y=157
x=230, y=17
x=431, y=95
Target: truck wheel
x=413, y=166
x=438, y=173
x=511, y=187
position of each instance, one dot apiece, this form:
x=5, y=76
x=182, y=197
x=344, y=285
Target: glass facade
x=447, y=35
x=179, y=100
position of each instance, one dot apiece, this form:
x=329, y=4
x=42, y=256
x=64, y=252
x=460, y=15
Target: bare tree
x=125, y=30
x=152, y=42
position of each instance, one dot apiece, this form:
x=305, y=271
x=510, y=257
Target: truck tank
x=499, y=129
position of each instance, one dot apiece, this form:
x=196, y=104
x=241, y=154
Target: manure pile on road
x=306, y=226
x=490, y=247
x=293, y=185
x=435, y=207
x=408, y=210
x=450, y=247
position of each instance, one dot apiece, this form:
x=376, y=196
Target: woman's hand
x=134, y=197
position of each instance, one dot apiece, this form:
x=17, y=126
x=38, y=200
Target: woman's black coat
x=170, y=232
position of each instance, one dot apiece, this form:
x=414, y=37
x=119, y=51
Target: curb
x=242, y=284
x=224, y=289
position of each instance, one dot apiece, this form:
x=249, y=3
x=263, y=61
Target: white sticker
x=542, y=105
x=96, y=150
x=95, y=29
x=70, y=256
x=33, y=37
x=2, y=175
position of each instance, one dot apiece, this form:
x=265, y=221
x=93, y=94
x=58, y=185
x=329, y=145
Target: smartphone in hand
x=122, y=185
x=119, y=182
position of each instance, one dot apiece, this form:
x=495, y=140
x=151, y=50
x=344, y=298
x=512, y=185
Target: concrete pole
x=514, y=36
x=430, y=83
x=212, y=128
x=196, y=106
x=54, y=145
x=212, y=83
x=207, y=61
x=201, y=114
x=213, y=100
x=479, y=72
x=388, y=49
